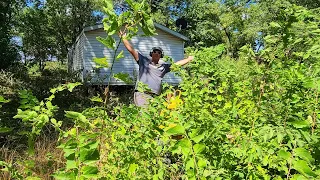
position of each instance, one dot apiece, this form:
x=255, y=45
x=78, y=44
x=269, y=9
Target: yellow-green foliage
x=255, y=117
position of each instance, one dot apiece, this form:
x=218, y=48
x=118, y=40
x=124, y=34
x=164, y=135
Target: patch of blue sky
x=31, y=3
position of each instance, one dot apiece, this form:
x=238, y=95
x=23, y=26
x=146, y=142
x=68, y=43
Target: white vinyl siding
x=77, y=56
x=172, y=46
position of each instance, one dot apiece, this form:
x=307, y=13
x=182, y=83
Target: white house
x=87, y=47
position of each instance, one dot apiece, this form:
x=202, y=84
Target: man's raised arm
x=129, y=47
x=184, y=61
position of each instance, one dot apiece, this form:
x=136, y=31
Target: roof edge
x=159, y=26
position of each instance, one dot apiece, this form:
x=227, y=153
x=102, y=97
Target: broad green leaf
x=93, y=144
x=60, y=88
x=65, y=175
x=190, y=164
x=144, y=29
x=106, y=26
x=5, y=129
x=50, y=98
x=89, y=170
x=219, y=98
x=306, y=56
x=96, y=99
x=71, y=86
x=108, y=7
x=298, y=177
x=198, y=138
x=315, y=47
x=284, y=154
x=271, y=39
x=185, y=146
x=69, y=154
x=24, y=101
x=177, y=130
x=114, y=28
x=120, y=55
x=309, y=83
x=298, y=40
x=44, y=118
x=37, y=108
x=147, y=25
x=194, y=133
x=55, y=123
x=109, y=4
x=108, y=41
x=101, y=62
x=125, y=77
x=218, y=50
x=300, y=124
x=202, y=163
x=26, y=115
x=316, y=31
x=53, y=90
x=130, y=3
x=191, y=174
x=302, y=167
x=71, y=164
x=136, y=6
x=2, y=100
x=76, y=116
x=49, y=105
x=150, y=26
x=303, y=154
x=132, y=168
x=279, y=137
x=275, y=24
x=206, y=173
x=89, y=155
x=198, y=148
x=228, y=105
x=112, y=42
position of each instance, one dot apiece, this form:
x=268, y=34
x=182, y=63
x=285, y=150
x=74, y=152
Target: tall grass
x=46, y=160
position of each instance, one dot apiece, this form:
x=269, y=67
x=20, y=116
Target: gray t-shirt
x=150, y=74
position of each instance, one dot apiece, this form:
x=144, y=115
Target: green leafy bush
x=256, y=117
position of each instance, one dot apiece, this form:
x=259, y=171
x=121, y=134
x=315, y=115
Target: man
x=151, y=71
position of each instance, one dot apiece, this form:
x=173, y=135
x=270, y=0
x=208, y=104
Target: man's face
x=156, y=54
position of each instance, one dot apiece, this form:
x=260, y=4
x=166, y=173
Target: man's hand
x=190, y=58
x=122, y=34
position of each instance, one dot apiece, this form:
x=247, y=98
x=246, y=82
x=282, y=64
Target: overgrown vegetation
x=255, y=116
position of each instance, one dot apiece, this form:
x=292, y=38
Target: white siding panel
x=172, y=46
x=77, y=57
x=81, y=63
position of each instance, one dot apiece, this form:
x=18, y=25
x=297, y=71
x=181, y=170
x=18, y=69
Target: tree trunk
x=228, y=41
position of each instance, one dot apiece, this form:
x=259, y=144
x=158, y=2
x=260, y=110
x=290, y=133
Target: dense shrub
x=256, y=117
